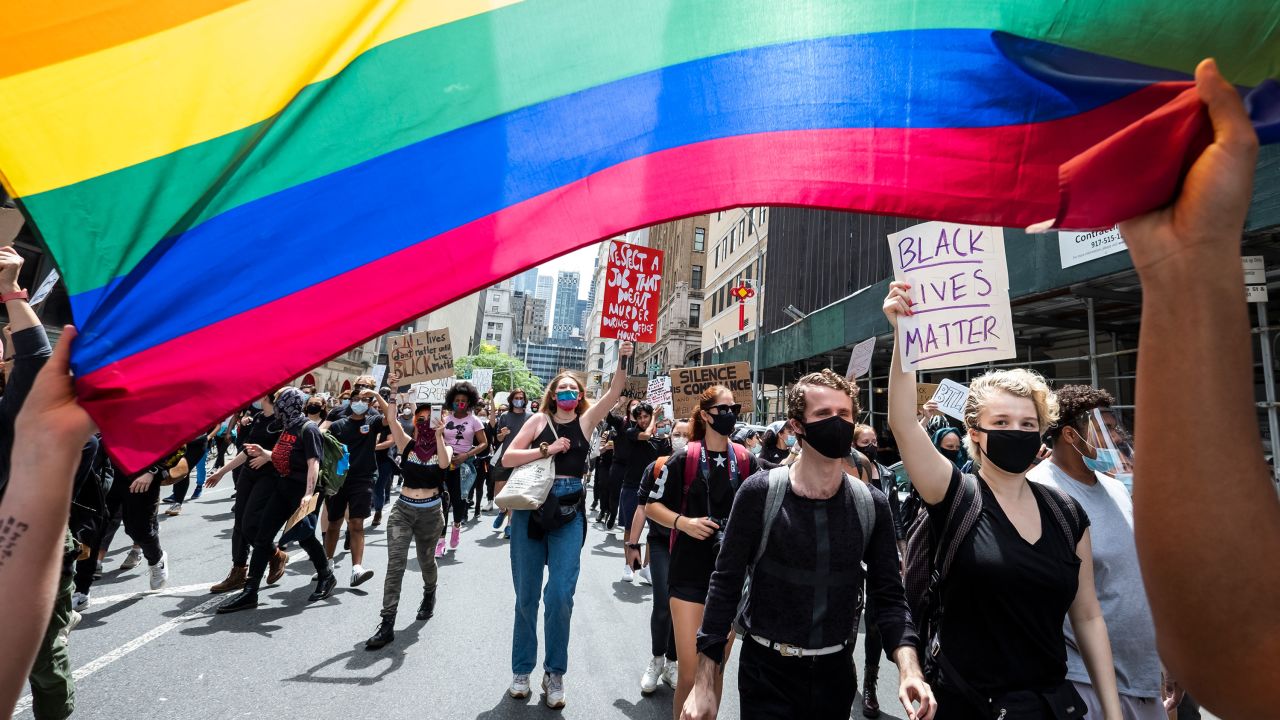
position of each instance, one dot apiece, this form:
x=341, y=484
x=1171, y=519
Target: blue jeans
x=200, y=471
x=627, y=501
x=561, y=552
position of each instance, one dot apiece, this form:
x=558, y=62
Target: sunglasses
x=735, y=408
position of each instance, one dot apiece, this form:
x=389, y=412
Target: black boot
x=247, y=599
x=870, y=703
x=385, y=633
x=428, y=607
x=324, y=585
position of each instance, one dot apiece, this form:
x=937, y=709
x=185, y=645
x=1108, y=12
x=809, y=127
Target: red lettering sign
x=632, y=282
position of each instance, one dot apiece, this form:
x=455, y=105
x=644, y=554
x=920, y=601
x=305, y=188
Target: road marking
x=94, y=666
x=96, y=602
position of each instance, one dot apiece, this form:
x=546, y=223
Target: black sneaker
x=428, y=607
x=246, y=600
x=385, y=634
x=324, y=587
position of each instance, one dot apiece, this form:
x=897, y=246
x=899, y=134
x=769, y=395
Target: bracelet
x=543, y=449
x=676, y=524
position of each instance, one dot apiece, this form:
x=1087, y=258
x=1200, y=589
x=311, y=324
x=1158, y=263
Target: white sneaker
x=79, y=601
x=75, y=620
x=627, y=575
x=160, y=572
x=652, y=675
x=488, y=507
x=519, y=686
x=132, y=560
x=644, y=576
x=553, y=688
x=671, y=673
x=174, y=509
x=359, y=575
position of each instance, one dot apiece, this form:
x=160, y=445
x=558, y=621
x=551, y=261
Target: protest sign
x=1078, y=247
x=632, y=280
x=11, y=221
x=421, y=356
x=924, y=393
x=430, y=391
x=378, y=372
x=637, y=386
x=501, y=399
x=950, y=397
x=688, y=383
x=45, y=288
x=860, y=360
x=660, y=397
x=303, y=511
x=959, y=292
x=482, y=378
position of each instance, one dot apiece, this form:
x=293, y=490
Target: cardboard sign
x=660, y=397
x=303, y=511
x=688, y=383
x=632, y=281
x=11, y=221
x=925, y=393
x=960, y=293
x=482, y=378
x=1079, y=247
x=860, y=360
x=45, y=288
x=637, y=386
x=421, y=356
x=430, y=391
x=951, y=397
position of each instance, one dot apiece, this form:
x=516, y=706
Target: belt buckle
x=790, y=650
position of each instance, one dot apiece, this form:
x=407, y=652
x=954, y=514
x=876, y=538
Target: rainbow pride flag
x=237, y=190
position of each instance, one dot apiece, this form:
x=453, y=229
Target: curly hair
x=462, y=388
x=1076, y=402
x=796, y=404
x=1018, y=382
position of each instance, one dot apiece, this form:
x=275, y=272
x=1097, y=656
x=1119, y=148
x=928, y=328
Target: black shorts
x=688, y=593
x=353, y=500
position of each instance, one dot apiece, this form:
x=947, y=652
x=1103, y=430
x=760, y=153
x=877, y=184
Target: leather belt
x=786, y=650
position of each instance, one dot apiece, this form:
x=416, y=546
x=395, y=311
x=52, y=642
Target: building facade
x=544, y=288
x=680, y=297
x=526, y=282
x=736, y=247
x=533, y=325
x=566, y=316
x=548, y=358
x=495, y=323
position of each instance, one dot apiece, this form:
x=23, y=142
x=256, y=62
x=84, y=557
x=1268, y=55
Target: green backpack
x=334, y=462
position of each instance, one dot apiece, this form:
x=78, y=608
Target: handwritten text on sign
x=688, y=383
x=951, y=397
x=632, y=281
x=660, y=397
x=425, y=355
x=960, y=293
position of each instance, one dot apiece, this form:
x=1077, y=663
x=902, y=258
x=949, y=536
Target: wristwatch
x=15, y=295
x=633, y=546
x=543, y=449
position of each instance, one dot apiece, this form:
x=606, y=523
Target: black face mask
x=314, y=409
x=724, y=422
x=952, y=455
x=1012, y=450
x=870, y=451
x=831, y=437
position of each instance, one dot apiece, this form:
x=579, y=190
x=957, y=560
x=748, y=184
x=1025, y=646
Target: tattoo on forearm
x=11, y=530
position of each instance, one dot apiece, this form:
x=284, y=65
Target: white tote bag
x=529, y=485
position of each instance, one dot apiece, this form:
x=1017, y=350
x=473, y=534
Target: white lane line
x=94, y=666
x=97, y=602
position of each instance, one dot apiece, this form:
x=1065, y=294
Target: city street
x=166, y=655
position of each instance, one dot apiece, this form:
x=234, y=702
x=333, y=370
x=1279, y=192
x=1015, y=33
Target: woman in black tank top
x=552, y=536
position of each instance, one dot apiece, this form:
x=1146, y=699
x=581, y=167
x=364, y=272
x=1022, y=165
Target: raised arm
x=929, y=471
x=596, y=414
x=1208, y=549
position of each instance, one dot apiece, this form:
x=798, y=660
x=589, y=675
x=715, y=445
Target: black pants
x=220, y=442
x=240, y=543
x=662, y=634
x=482, y=479
x=138, y=511
x=775, y=687
x=874, y=646
x=271, y=503
x=453, y=482
x=617, y=473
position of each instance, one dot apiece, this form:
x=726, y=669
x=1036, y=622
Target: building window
x=695, y=314
x=699, y=240
x=733, y=239
x=696, y=280
x=748, y=275
x=742, y=229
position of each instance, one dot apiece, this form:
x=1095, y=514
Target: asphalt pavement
x=165, y=654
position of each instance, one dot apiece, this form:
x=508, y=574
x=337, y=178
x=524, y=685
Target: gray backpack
x=779, y=478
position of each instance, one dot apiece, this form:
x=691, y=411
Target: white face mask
x=679, y=443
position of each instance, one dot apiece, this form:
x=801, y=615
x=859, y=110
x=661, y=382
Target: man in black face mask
x=804, y=531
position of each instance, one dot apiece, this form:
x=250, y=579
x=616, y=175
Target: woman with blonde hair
x=553, y=535
x=1022, y=560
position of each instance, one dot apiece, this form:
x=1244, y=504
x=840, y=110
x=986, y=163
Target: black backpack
x=931, y=550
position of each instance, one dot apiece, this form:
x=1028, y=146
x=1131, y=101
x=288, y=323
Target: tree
x=508, y=372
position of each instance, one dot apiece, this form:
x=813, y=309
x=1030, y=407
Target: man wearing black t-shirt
x=359, y=432
x=800, y=619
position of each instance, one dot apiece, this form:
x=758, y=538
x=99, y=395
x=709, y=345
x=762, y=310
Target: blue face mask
x=257, y=404
x=790, y=441
x=359, y=407
x=1107, y=460
x=346, y=404
x=517, y=403
x=1127, y=479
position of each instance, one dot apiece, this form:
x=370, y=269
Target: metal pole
x=755, y=365
x=1269, y=382
x=871, y=397
x=1093, y=345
